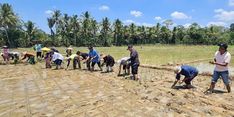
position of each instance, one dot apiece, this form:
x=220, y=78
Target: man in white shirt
x=221, y=62
x=126, y=65
x=57, y=58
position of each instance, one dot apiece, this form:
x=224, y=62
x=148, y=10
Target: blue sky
x=141, y=12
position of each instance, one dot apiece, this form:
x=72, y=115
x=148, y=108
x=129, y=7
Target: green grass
x=157, y=54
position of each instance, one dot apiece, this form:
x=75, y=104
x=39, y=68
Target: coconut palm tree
x=105, y=31
x=8, y=20
x=30, y=30
x=118, y=33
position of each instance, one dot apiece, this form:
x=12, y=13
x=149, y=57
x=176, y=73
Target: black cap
x=90, y=47
x=225, y=46
x=129, y=46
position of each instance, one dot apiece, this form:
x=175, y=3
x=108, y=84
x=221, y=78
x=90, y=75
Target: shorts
x=188, y=81
x=135, y=68
x=58, y=62
x=38, y=54
x=224, y=75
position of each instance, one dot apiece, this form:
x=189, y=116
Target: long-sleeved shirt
x=134, y=58
x=56, y=56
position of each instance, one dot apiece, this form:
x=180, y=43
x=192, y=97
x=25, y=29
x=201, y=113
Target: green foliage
x=84, y=30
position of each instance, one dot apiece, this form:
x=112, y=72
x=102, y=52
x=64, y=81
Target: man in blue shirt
x=189, y=73
x=94, y=58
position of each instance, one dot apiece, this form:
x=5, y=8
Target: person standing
x=221, y=61
x=37, y=48
x=135, y=63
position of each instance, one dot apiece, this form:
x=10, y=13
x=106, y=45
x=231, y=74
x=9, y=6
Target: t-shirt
x=109, y=60
x=38, y=47
x=222, y=59
x=72, y=56
x=134, y=58
x=56, y=56
x=187, y=71
x=93, y=54
x=84, y=55
x=123, y=60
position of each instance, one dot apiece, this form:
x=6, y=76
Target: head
x=177, y=69
x=78, y=52
x=24, y=53
x=223, y=48
x=90, y=48
x=130, y=48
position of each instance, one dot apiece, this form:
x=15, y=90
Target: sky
x=141, y=12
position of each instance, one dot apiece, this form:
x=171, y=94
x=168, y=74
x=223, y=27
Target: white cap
x=177, y=69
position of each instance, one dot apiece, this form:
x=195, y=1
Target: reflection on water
x=209, y=68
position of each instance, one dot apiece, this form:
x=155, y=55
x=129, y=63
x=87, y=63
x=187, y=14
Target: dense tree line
x=84, y=30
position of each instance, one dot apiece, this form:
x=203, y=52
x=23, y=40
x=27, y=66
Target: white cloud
x=187, y=25
x=179, y=15
x=49, y=12
x=158, y=18
x=128, y=22
x=136, y=13
x=104, y=8
x=222, y=15
x=147, y=24
x=216, y=23
x=231, y=3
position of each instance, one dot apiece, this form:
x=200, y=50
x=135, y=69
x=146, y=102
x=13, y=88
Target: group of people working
x=53, y=56
x=221, y=61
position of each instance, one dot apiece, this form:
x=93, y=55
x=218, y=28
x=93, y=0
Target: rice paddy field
x=32, y=90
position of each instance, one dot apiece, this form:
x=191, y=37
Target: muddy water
x=28, y=90
x=209, y=68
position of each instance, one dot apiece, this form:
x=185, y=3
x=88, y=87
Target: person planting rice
x=83, y=56
x=221, y=61
x=5, y=54
x=57, y=58
x=48, y=58
x=189, y=73
x=14, y=56
x=45, y=50
x=31, y=57
x=94, y=58
x=69, y=51
x=134, y=58
x=126, y=65
x=109, y=61
x=74, y=58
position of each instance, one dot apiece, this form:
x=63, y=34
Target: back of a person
x=84, y=55
x=93, y=53
x=189, y=69
x=222, y=59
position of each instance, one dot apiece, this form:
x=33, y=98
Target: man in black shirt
x=109, y=61
x=83, y=56
x=134, y=58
